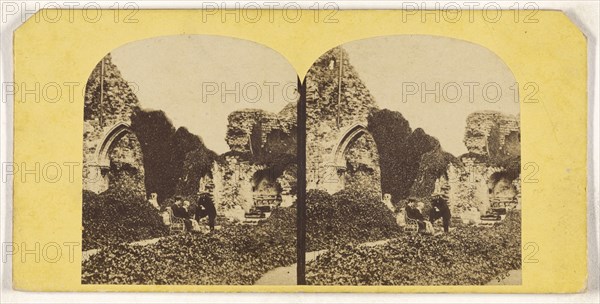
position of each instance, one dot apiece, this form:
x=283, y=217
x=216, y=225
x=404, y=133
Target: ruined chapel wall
x=101, y=113
x=329, y=116
x=470, y=184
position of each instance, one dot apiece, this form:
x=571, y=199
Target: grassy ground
x=467, y=256
x=234, y=255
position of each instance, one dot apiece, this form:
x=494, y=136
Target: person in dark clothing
x=179, y=211
x=206, y=207
x=413, y=213
x=177, y=207
x=440, y=209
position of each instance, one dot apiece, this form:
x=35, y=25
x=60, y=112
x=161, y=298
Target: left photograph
x=189, y=176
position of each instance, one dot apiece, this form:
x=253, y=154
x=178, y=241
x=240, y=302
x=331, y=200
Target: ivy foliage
x=234, y=255
x=467, y=256
x=349, y=216
x=118, y=216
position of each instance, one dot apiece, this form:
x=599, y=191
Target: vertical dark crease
x=301, y=180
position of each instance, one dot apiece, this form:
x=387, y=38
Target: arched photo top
x=161, y=111
x=405, y=131
x=434, y=81
x=196, y=80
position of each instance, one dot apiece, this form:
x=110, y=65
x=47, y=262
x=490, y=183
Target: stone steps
x=257, y=214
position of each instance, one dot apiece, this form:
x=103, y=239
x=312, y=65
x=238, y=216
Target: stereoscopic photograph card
x=347, y=151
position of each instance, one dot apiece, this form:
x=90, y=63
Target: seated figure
x=190, y=213
x=180, y=211
x=387, y=201
x=415, y=211
x=427, y=227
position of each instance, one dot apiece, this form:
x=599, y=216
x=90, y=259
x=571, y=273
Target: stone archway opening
x=120, y=161
x=112, y=136
x=357, y=160
x=502, y=190
x=266, y=190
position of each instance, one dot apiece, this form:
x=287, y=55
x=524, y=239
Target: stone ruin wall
x=233, y=186
x=242, y=122
x=479, y=129
x=470, y=185
x=126, y=165
x=362, y=165
x=323, y=169
x=233, y=178
x=329, y=118
x=98, y=175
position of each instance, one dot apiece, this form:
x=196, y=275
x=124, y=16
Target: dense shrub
x=432, y=166
x=401, y=155
x=349, y=216
x=155, y=131
x=230, y=256
x=191, y=160
x=174, y=159
x=467, y=256
x=118, y=216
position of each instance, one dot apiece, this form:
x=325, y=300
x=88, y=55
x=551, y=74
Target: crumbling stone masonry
x=490, y=173
x=111, y=153
x=237, y=179
x=340, y=152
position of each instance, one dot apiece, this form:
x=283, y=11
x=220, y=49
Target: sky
x=198, y=80
x=399, y=71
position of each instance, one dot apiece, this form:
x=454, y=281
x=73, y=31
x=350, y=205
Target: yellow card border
x=551, y=53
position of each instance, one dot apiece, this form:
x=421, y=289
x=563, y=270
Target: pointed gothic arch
x=347, y=137
x=113, y=135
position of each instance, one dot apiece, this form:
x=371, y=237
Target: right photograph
x=413, y=164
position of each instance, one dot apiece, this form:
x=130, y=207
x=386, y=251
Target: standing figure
x=440, y=209
x=206, y=207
